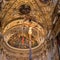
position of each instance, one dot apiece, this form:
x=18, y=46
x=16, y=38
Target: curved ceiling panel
x=37, y=9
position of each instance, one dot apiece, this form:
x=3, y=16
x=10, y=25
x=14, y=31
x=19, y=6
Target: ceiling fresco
x=39, y=10
x=28, y=27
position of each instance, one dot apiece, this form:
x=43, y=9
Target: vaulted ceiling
x=44, y=12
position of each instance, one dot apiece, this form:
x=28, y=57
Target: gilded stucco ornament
x=25, y=26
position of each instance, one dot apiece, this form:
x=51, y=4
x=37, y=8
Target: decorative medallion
x=25, y=9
